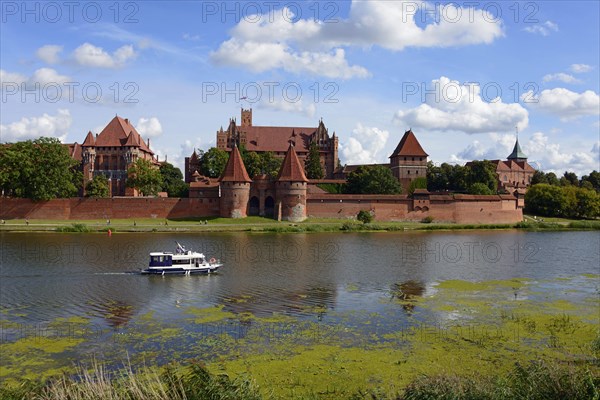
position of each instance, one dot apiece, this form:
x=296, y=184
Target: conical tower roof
x=133, y=140
x=517, y=153
x=89, y=140
x=291, y=168
x=409, y=146
x=235, y=171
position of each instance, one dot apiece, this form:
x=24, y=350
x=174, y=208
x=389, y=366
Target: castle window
x=404, y=158
x=409, y=172
x=413, y=159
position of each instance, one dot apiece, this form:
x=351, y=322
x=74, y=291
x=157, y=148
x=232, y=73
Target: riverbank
x=533, y=381
x=260, y=224
x=491, y=340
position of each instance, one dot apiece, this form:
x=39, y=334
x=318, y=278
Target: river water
x=331, y=278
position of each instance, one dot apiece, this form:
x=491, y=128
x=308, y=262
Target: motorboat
x=182, y=262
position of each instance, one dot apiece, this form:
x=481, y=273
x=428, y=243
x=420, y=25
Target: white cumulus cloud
x=564, y=103
x=49, y=53
x=33, y=127
x=92, y=56
x=540, y=150
x=460, y=107
x=149, y=127
x=40, y=77
x=581, y=68
x=366, y=145
x=279, y=40
x=543, y=29
x=562, y=77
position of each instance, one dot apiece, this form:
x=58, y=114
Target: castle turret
x=89, y=158
x=291, y=187
x=235, y=187
x=408, y=161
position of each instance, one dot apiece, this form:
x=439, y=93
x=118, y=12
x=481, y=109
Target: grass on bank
x=536, y=380
x=262, y=224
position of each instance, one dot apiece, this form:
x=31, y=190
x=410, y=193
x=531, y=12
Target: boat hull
x=181, y=270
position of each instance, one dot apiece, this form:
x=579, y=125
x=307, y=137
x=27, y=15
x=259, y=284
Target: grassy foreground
x=261, y=224
x=536, y=380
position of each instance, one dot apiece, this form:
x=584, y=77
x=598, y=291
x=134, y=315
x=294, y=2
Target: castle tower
x=89, y=158
x=235, y=187
x=409, y=161
x=290, y=189
x=246, y=117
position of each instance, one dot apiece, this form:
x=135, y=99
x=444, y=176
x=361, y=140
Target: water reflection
x=407, y=292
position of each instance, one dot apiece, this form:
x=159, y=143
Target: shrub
x=364, y=216
x=427, y=220
x=74, y=228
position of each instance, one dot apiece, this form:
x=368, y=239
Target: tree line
x=212, y=162
x=567, y=196
x=43, y=169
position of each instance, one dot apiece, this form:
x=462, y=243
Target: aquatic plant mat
x=514, y=339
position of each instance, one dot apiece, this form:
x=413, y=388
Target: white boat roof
x=168, y=253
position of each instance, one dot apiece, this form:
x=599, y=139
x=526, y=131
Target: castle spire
x=517, y=154
x=291, y=168
x=235, y=171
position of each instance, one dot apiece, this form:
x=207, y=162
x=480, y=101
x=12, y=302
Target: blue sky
x=462, y=75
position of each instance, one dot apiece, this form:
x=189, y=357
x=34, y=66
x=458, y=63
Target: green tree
x=545, y=199
x=593, y=178
x=418, y=183
x=145, y=177
x=588, y=203
x=552, y=179
x=480, y=188
x=253, y=163
x=269, y=164
x=172, y=181
x=39, y=169
x=539, y=177
x=571, y=177
x=364, y=216
x=372, y=179
x=447, y=177
x=213, y=162
x=482, y=172
x=312, y=165
x=97, y=187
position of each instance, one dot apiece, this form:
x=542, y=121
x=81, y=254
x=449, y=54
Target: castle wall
x=117, y=207
x=465, y=210
x=460, y=209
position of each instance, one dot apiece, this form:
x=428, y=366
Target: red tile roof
x=75, y=151
x=277, y=138
x=116, y=134
x=132, y=140
x=409, y=146
x=89, y=140
x=291, y=168
x=510, y=165
x=235, y=170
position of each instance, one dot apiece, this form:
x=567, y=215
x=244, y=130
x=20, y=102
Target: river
x=85, y=285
